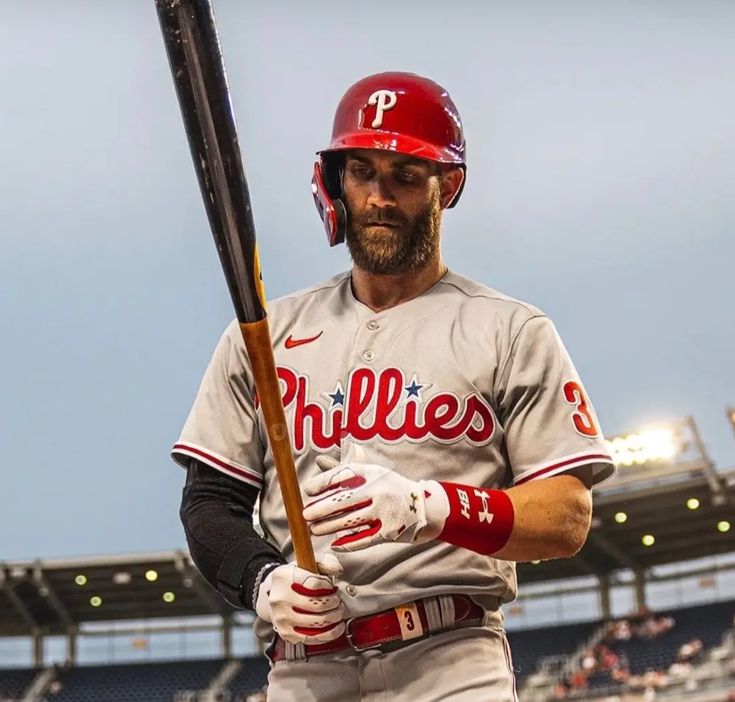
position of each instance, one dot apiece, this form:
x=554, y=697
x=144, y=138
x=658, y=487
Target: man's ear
x=451, y=182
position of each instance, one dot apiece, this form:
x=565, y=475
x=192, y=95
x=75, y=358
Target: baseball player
x=440, y=431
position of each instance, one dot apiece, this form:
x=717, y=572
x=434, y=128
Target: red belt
x=388, y=630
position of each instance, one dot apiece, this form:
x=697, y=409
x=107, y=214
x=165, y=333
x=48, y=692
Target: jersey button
x=351, y=590
x=369, y=355
x=372, y=325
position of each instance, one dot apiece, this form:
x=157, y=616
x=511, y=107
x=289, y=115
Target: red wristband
x=479, y=519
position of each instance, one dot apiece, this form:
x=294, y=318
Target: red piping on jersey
x=250, y=476
x=582, y=460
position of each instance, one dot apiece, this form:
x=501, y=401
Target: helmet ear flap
x=333, y=166
x=326, y=187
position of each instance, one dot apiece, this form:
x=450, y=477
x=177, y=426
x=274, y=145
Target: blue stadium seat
x=602, y=678
x=705, y=622
x=152, y=682
x=14, y=682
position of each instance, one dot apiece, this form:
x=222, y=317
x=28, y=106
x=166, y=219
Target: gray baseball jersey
x=460, y=384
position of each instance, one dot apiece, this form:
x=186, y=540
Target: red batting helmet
x=399, y=112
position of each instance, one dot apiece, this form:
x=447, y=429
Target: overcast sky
x=601, y=146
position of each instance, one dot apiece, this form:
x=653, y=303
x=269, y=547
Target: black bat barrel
x=195, y=57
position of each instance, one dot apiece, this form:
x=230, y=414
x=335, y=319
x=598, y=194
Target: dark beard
x=404, y=249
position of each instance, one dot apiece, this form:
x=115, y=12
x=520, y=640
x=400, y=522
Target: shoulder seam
x=512, y=345
x=331, y=283
x=497, y=298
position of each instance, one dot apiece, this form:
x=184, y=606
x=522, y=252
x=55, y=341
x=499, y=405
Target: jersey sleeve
x=222, y=429
x=550, y=425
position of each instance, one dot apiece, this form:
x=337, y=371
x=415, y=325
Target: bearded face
x=388, y=241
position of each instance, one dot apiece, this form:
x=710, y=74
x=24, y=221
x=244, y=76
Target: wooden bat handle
x=258, y=343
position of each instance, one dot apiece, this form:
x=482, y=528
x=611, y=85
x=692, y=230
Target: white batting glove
x=303, y=607
x=372, y=505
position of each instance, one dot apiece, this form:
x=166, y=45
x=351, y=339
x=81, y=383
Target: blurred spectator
x=606, y=659
x=600, y=658
x=621, y=630
x=560, y=690
x=578, y=680
x=689, y=651
x=652, y=627
x=655, y=679
x=588, y=661
x=643, y=624
x=680, y=670
x=621, y=674
x=650, y=680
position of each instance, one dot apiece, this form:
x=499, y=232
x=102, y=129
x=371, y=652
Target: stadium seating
x=705, y=622
x=163, y=681
x=252, y=676
x=159, y=682
x=642, y=656
x=14, y=682
x=600, y=679
x=529, y=646
x=152, y=682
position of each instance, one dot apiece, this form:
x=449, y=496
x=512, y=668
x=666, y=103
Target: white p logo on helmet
x=383, y=100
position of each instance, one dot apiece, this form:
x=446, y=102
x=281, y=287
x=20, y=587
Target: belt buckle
x=353, y=645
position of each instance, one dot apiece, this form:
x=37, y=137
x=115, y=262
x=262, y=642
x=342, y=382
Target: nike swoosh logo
x=293, y=343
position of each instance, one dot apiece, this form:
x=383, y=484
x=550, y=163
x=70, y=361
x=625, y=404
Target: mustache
x=381, y=217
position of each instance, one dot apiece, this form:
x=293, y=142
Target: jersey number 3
x=583, y=420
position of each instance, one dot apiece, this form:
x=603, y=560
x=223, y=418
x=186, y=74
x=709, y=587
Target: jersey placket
x=368, y=350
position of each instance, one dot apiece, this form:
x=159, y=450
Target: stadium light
x=621, y=517
x=646, y=446
x=723, y=526
x=151, y=575
x=693, y=503
x=81, y=580
x=95, y=601
x=648, y=540
x=169, y=597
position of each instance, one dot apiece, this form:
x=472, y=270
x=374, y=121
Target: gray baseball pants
x=462, y=665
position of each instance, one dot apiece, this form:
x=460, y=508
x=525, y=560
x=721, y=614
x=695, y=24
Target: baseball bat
x=194, y=55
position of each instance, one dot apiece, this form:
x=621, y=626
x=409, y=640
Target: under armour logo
x=383, y=100
x=485, y=515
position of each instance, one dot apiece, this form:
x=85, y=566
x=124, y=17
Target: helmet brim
x=399, y=143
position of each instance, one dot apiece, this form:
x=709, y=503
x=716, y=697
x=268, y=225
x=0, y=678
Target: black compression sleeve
x=217, y=514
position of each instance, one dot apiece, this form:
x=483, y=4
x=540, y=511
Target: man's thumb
x=329, y=565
